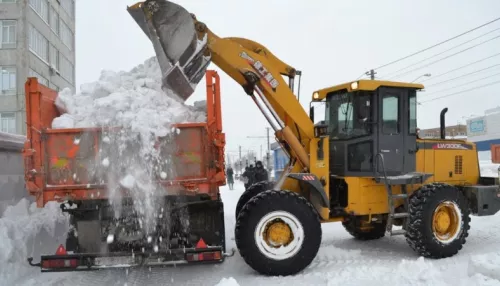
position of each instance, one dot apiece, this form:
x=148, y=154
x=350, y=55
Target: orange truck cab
x=55, y=170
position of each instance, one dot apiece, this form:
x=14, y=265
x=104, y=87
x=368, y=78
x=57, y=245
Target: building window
x=8, y=122
x=66, y=34
x=54, y=20
x=67, y=69
x=8, y=81
x=69, y=7
x=8, y=34
x=38, y=44
x=40, y=78
x=54, y=57
x=41, y=7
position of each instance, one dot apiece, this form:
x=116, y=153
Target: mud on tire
x=421, y=232
x=258, y=252
x=251, y=192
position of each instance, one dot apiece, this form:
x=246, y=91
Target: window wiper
x=346, y=114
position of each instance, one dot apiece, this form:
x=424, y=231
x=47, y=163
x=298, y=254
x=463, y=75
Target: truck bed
x=62, y=164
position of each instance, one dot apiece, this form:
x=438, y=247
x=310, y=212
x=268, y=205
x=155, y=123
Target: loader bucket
x=180, y=54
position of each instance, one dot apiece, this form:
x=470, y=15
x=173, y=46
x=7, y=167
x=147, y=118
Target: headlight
x=354, y=85
x=316, y=95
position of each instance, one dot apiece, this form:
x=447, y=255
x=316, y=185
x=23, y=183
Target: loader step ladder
x=403, y=181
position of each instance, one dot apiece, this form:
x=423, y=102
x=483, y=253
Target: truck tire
x=439, y=220
x=251, y=192
x=278, y=233
x=376, y=231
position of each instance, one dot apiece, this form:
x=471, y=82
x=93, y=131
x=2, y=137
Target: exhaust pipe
x=442, y=124
x=182, y=56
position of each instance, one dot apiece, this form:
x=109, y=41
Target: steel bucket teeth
x=182, y=56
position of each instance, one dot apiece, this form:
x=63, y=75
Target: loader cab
x=365, y=118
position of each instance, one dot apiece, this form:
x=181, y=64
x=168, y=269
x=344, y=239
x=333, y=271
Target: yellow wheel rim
x=446, y=221
x=278, y=233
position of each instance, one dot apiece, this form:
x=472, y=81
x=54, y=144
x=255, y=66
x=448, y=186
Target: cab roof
x=364, y=84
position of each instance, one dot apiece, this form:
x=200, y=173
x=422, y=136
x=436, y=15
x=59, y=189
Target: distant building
x=37, y=40
x=456, y=131
x=485, y=130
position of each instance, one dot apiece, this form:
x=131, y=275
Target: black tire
x=251, y=192
x=377, y=230
x=264, y=204
x=419, y=233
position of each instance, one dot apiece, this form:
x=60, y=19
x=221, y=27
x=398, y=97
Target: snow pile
x=22, y=225
x=133, y=99
x=422, y=271
x=488, y=169
x=406, y=272
x=135, y=102
x=485, y=264
x=228, y=282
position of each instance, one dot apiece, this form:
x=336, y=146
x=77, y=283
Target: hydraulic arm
x=185, y=46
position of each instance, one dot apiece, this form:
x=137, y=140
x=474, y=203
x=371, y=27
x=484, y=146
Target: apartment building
x=37, y=40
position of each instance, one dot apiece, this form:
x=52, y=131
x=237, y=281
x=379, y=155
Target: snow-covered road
x=341, y=261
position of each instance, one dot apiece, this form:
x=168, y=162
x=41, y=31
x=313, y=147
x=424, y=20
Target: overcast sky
x=331, y=42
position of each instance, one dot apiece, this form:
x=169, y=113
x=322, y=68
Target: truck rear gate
x=60, y=166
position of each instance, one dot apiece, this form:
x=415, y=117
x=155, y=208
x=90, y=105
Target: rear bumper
x=98, y=261
x=483, y=200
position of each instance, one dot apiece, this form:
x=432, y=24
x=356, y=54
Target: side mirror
x=311, y=112
x=321, y=130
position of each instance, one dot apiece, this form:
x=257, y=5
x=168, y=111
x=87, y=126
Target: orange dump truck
x=56, y=163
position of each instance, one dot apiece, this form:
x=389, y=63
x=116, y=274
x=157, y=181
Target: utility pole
x=268, y=142
x=371, y=73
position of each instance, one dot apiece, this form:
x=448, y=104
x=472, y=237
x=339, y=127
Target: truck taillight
x=205, y=256
x=59, y=263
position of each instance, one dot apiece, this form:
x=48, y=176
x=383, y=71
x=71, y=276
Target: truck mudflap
x=483, y=200
x=63, y=261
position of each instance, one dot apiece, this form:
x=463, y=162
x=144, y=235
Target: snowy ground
x=341, y=261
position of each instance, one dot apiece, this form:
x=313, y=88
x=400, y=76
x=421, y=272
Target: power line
x=438, y=44
x=459, y=68
x=447, y=57
x=461, y=76
x=476, y=80
x=363, y=74
x=454, y=47
x=459, y=92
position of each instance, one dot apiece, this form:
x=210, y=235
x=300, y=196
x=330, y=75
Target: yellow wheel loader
x=363, y=165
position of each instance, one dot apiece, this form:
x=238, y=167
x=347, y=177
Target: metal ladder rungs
x=388, y=182
x=400, y=215
x=399, y=196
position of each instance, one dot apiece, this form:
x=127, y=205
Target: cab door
x=390, y=141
